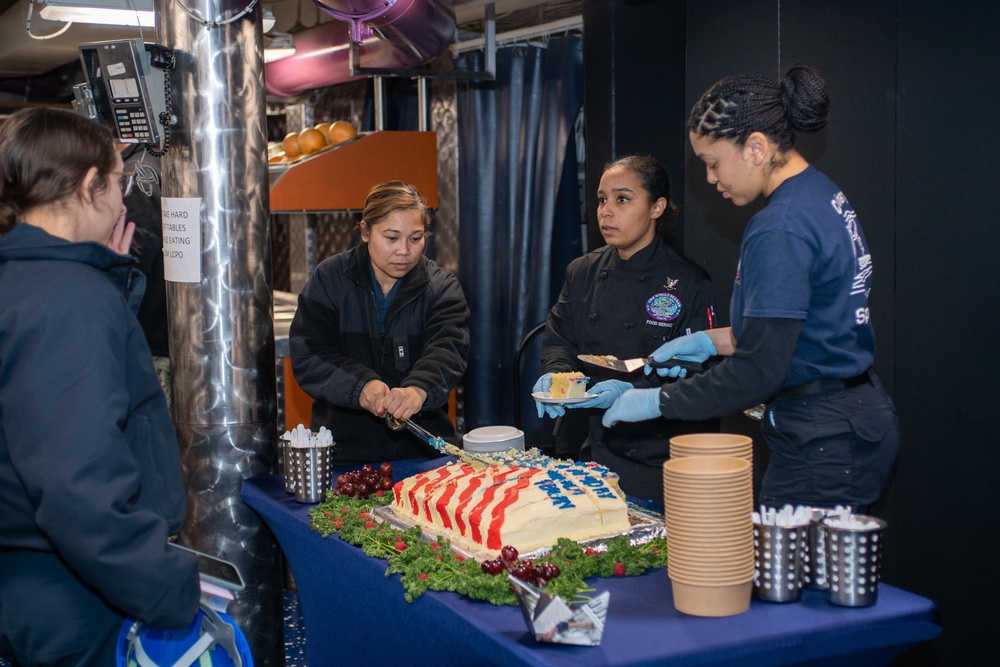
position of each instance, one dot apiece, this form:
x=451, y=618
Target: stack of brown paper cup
x=712, y=444
x=708, y=506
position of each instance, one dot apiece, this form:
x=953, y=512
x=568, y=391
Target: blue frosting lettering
x=554, y=493
x=562, y=502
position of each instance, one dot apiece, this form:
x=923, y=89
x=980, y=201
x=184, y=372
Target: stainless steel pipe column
x=221, y=327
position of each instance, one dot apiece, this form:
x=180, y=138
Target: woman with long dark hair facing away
x=90, y=473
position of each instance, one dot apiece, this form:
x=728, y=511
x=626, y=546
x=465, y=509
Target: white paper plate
x=543, y=397
x=492, y=434
x=488, y=439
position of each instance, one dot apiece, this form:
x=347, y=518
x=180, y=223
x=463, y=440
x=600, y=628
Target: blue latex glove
x=607, y=393
x=695, y=347
x=543, y=385
x=635, y=405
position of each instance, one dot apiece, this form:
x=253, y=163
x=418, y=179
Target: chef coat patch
x=663, y=307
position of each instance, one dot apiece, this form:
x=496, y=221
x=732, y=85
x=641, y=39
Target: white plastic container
x=493, y=439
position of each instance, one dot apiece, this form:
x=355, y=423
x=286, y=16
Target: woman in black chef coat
x=626, y=299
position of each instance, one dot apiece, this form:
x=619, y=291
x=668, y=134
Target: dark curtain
x=519, y=215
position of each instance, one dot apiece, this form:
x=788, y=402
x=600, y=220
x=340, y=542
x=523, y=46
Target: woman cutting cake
x=381, y=329
x=626, y=299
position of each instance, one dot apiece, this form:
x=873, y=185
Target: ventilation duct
x=398, y=34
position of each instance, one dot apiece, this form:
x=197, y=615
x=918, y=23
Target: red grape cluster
x=364, y=482
x=538, y=574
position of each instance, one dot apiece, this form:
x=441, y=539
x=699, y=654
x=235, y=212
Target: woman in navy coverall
x=801, y=327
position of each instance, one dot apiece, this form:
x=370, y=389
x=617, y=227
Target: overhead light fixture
x=104, y=12
x=278, y=45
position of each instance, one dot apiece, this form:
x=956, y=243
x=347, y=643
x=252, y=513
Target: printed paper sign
x=181, y=239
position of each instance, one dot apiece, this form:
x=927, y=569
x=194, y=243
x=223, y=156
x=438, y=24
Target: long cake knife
x=434, y=441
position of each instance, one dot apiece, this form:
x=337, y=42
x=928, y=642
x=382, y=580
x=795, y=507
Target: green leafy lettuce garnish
x=432, y=565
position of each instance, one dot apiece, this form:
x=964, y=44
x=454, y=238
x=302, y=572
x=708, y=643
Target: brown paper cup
x=711, y=440
x=736, y=575
x=712, y=600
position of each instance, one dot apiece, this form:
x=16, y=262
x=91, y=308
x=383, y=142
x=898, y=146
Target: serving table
x=355, y=615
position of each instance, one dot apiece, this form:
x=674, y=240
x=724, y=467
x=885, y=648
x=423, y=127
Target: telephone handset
x=128, y=88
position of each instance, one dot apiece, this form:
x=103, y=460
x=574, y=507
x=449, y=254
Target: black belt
x=825, y=384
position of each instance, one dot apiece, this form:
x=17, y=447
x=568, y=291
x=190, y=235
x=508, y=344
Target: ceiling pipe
x=398, y=34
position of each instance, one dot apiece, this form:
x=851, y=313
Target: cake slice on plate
x=568, y=385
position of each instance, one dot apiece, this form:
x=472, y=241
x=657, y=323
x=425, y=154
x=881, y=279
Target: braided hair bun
x=737, y=106
x=806, y=101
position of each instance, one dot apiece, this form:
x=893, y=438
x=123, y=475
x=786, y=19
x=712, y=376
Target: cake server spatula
x=630, y=365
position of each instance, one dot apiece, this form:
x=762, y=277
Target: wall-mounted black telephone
x=128, y=88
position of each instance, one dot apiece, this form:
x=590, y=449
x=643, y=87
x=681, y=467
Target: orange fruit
x=290, y=144
x=341, y=130
x=311, y=140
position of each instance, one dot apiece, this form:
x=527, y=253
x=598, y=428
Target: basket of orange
x=311, y=140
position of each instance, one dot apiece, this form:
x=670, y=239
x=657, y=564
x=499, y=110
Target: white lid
x=490, y=434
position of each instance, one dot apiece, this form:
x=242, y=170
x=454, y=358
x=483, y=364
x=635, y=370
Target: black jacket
x=89, y=464
x=628, y=309
x=336, y=349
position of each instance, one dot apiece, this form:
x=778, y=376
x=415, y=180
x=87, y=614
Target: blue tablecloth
x=355, y=615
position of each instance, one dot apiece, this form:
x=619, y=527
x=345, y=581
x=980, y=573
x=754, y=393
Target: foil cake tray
x=646, y=525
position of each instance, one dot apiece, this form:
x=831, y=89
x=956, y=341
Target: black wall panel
x=634, y=55
x=947, y=277
x=599, y=87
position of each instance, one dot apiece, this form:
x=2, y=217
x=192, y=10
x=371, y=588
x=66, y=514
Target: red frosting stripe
x=442, y=475
x=476, y=514
x=450, y=487
x=463, y=500
x=499, y=512
x=425, y=479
